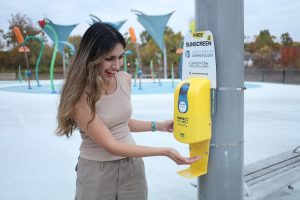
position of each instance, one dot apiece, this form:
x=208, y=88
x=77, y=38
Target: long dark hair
x=83, y=77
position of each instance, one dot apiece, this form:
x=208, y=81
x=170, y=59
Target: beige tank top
x=115, y=111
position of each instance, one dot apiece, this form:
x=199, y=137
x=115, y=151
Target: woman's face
x=112, y=63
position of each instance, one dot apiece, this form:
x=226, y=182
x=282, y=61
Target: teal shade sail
x=62, y=31
x=155, y=25
x=117, y=24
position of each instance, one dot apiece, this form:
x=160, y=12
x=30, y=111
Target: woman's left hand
x=165, y=126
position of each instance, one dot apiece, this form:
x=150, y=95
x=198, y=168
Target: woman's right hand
x=179, y=159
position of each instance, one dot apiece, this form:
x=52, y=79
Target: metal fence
x=288, y=76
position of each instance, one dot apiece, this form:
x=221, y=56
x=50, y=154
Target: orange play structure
x=18, y=34
x=132, y=34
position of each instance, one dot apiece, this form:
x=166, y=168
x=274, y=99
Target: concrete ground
x=35, y=164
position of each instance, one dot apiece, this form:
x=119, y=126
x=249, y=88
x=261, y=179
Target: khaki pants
x=111, y=180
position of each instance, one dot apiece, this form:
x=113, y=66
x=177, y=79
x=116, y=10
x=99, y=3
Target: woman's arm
x=98, y=131
x=141, y=126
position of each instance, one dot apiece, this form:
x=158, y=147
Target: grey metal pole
x=64, y=65
x=225, y=19
x=165, y=63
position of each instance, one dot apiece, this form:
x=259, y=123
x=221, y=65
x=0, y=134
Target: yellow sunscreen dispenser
x=192, y=121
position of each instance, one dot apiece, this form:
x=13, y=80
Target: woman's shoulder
x=125, y=80
x=125, y=75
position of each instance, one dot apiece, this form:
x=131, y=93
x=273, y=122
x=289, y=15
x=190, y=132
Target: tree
x=23, y=23
x=130, y=46
x=145, y=37
x=286, y=40
x=289, y=51
x=2, y=44
x=264, y=57
x=149, y=48
x=263, y=49
x=289, y=56
x=15, y=58
x=75, y=40
x=264, y=39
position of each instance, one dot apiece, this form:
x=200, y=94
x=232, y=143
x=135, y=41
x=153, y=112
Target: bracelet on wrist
x=153, y=126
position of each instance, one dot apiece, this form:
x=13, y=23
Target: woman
x=96, y=100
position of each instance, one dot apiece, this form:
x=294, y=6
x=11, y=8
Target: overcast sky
x=278, y=16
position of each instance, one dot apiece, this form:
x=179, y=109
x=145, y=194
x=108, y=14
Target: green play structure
x=59, y=35
x=25, y=49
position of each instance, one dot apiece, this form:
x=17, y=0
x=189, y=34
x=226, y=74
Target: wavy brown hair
x=83, y=76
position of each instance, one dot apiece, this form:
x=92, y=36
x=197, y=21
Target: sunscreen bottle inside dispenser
x=192, y=121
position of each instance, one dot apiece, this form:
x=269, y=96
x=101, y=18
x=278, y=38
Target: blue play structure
x=117, y=24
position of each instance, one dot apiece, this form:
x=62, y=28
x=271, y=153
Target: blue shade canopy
x=155, y=25
x=62, y=31
x=117, y=24
x=95, y=19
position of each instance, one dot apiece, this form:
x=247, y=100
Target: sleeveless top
x=115, y=110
